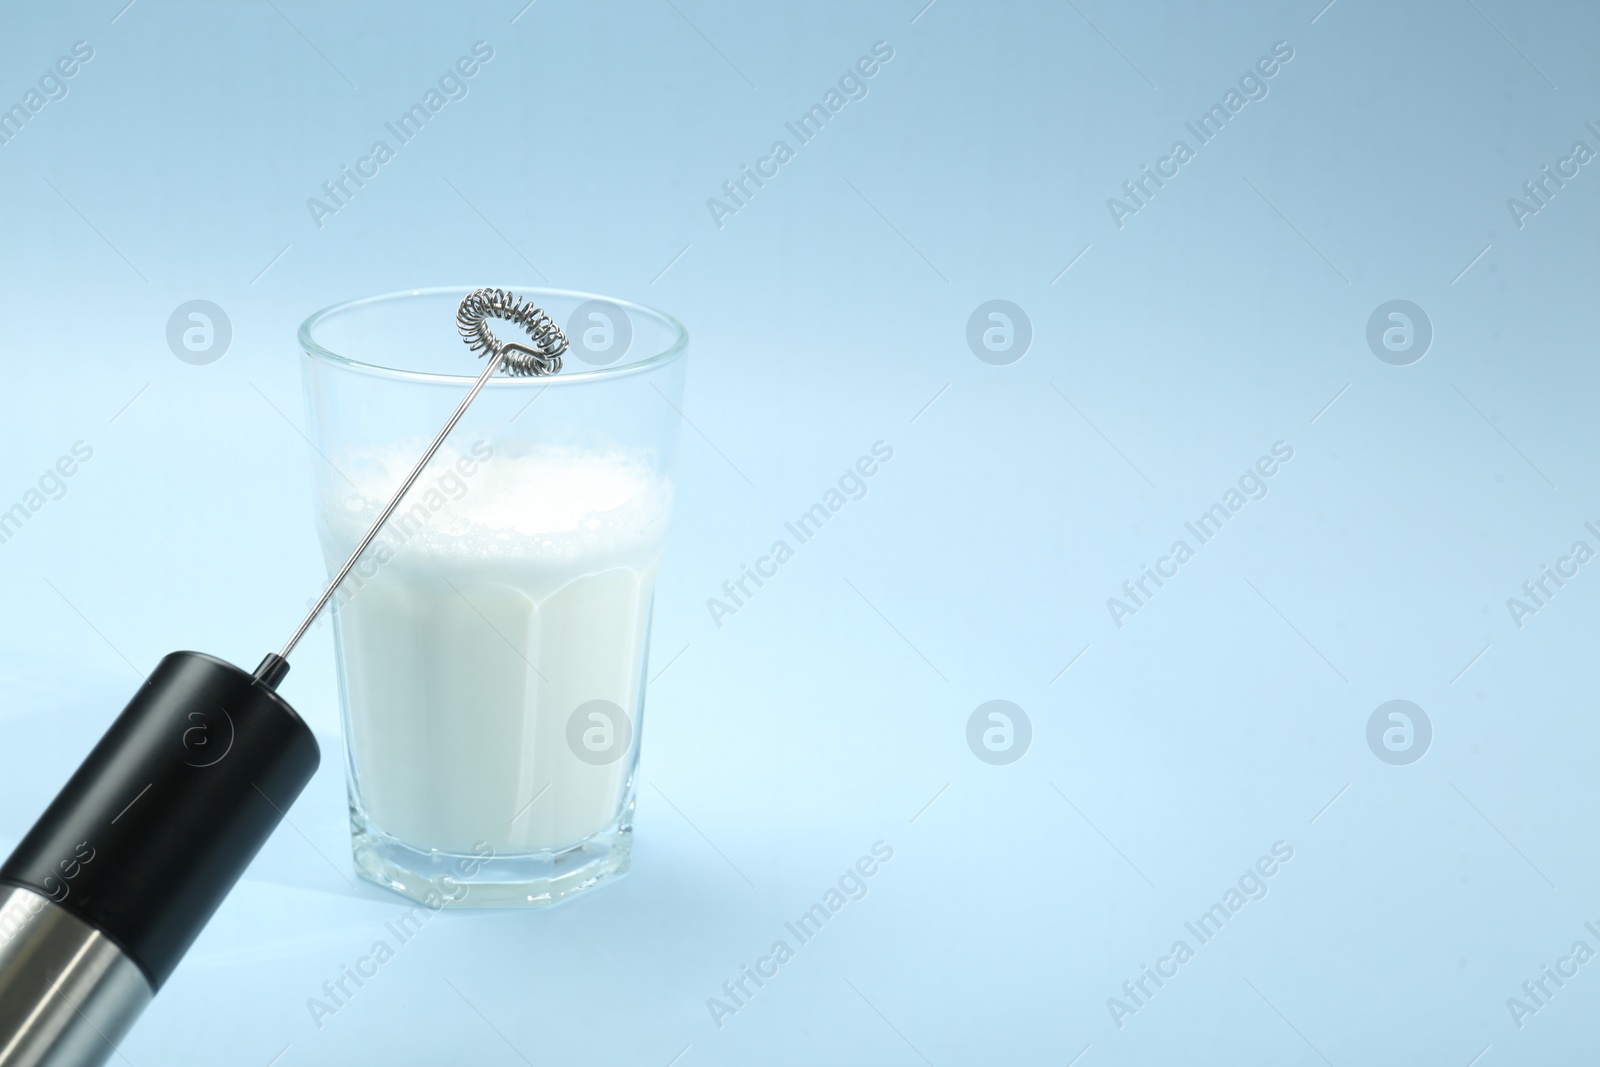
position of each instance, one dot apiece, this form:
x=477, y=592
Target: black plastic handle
x=162, y=818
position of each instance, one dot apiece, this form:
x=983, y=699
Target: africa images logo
x=1399, y=732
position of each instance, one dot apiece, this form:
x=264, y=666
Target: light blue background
x=826, y=315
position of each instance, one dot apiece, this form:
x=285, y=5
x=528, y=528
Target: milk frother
x=107, y=891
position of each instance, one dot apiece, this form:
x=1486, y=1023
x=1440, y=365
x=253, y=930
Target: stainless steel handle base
x=68, y=995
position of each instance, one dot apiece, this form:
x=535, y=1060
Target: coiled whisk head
x=519, y=359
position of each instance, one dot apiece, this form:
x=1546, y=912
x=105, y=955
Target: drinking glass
x=492, y=641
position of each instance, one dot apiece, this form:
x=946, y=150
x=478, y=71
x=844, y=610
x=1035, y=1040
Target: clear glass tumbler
x=492, y=641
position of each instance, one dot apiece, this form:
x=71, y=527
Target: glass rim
x=315, y=350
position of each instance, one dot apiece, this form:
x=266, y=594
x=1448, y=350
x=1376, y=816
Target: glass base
x=485, y=879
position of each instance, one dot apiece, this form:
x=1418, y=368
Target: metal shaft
x=405, y=487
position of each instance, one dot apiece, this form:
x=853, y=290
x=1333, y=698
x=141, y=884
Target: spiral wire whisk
x=548, y=340
x=517, y=359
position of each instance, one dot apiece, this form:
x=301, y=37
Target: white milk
x=502, y=600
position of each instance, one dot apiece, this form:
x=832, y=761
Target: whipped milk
x=507, y=591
